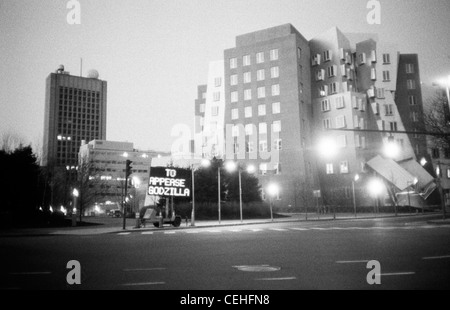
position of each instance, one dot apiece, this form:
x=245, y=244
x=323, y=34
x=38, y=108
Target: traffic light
x=128, y=168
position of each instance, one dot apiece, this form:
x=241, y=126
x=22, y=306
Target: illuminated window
x=260, y=57
x=246, y=61
x=261, y=92
x=260, y=75
x=248, y=112
x=247, y=77
x=248, y=94
x=344, y=167
x=274, y=54
x=276, y=90
x=276, y=126
x=262, y=110
x=276, y=108
x=234, y=114
x=233, y=63
x=274, y=72
x=233, y=79
x=330, y=169
x=234, y=96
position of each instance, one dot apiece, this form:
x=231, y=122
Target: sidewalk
x=117, y=225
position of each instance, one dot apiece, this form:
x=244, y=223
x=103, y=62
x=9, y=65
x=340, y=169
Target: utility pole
x=128, y=168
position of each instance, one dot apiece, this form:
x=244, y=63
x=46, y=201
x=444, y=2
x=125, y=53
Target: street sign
x=169, y=182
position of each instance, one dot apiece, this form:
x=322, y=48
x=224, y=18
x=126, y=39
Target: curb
x=169, y=228
x=78, y=232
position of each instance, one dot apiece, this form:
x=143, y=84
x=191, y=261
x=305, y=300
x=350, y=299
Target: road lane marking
x=235, y=230
x=277, y=279
x=352, y=261
x=144, y=284
x=169, y=232
x=397, y=274
x=147, y=233
x=124, y=233
x=436, y=257
x=257, y=268
x=32, y=273
x=144, y=269
x=278, y=229
x=214, y=231
x=299, y=229
x=256, y=230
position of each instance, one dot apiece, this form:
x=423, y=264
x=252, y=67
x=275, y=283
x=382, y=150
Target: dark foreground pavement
x=413, y=254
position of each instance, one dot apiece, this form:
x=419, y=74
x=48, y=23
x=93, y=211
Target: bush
x=229, y=210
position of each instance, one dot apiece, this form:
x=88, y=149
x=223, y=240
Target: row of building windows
x=263, y=146
x=248, y=111
x=436, y=153
x=77, y=91
x=260, y=76
x=250, y=128
x=260, y=58
x=260, y=93
x=343, y=168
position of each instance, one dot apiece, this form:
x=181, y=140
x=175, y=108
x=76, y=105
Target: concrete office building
x=103, y=162
x=75, y=110
x=284, y=94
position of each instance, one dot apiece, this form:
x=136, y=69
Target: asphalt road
x=412, y=253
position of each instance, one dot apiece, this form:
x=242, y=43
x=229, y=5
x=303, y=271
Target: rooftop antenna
x=81, y=67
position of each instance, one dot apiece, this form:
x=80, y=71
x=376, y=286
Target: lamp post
x=376, y=188
x=441, y=191
x=231, y=167
x=354, y=180
x=218, y=196
x=75, y=195
x=272, y=189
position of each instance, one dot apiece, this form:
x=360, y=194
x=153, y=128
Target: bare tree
x=10, y=141
x=437, y=119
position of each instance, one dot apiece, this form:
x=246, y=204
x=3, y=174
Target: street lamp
x=376, y=188
x=391, y=148
x=272, y=190
x=231, y=166
x=327, y=147
x=355, y=179
x=204, y=163
x=441, y=191
x=75, y=195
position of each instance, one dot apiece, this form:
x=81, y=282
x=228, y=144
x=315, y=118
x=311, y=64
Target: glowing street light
x=391, y=148
x=251, y=169
x=327, y=147
x=355, y=179
x=231, y=166
x=423, y=162
x=272, y=190
x=376, y=188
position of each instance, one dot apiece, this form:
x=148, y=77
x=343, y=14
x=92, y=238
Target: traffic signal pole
x=127, y=174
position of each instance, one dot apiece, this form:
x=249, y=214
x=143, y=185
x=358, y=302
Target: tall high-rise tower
x=75, y=110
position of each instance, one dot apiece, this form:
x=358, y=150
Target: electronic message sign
x=170, y=182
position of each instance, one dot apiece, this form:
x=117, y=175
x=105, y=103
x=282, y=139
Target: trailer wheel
x=156, y=224
x=177, y=221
